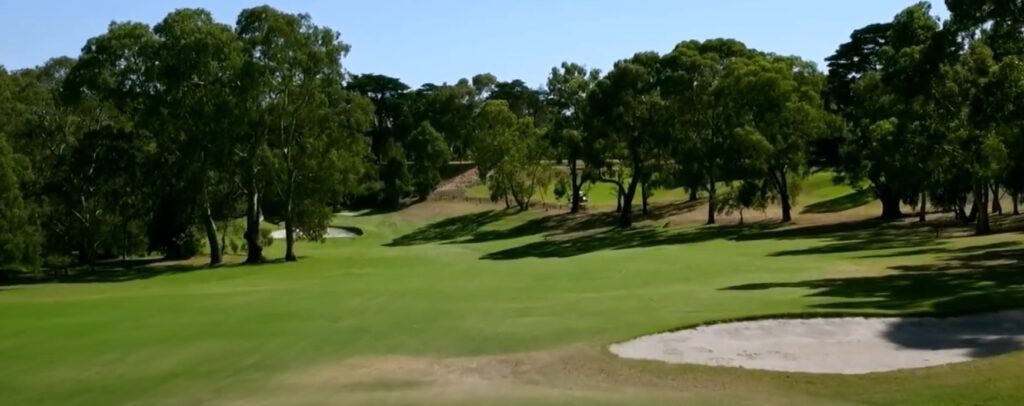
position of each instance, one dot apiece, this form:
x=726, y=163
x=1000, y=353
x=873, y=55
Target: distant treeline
x=155, y=138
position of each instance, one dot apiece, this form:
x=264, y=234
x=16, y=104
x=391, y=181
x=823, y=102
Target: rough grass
x=455, y=303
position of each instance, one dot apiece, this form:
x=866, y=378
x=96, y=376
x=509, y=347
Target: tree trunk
x=124, y=241
x=712, y=188
x=618, y=200
x=643, y=197
x=923, y=209
x=289, y=227
x=693, y=195
x=782, y=183
x=1016, y=203
x=997, y=205
x=626, y=216
x=981, y=201
x=211, y=237
x=891, y=209
x=961, y=212
x=574, y=179
x=922, y=214
x=224, y=238
x=252, y=225
x=973, y=215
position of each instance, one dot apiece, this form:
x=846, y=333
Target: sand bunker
x=332, y=232
x=838, y=345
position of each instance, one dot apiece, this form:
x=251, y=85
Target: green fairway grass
x=451, y=303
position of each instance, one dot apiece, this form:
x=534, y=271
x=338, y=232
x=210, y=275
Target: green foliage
x=889, y=105
x=396, y=182
x=511, y=154
x=562, y=188
x=626, y=126
x=568, y=88
x=429, y=154
x=745, y=195
x=713, y=134
x=20, y=236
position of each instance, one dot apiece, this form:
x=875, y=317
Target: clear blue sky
x=438, y=41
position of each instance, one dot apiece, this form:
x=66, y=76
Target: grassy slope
x=818, y=187
x=481, y=309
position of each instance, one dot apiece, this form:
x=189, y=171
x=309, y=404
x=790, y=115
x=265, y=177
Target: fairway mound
x=332, y=232
x=836, y=345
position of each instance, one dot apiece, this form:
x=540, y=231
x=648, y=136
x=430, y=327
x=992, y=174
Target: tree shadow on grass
x=467, y=229
x=978, y=279
x=450, y=228
x=117, y=271
x=840, y=204
x=966, y=281
x=621, y=239
x=840, y=238
x=941, y=250
x=876, y=235
x=133, y=270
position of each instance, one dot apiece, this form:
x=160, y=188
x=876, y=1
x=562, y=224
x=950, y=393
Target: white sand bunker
x=838, y=345
x=332, y=232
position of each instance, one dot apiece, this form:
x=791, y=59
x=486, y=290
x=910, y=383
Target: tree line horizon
x=156, y=138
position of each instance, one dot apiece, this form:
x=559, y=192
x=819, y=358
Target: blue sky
x=444, y=40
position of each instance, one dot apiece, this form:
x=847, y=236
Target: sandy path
x=839, y=345
x=332, y=232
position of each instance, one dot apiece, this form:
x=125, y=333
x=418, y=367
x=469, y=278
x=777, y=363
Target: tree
x=44, y=130
x=989, y=91
x=196, y=76
x=781, y=98
x=881, y=84
x=711, y=137
x=511, y=154
x=98, y=182
x=745, y=195
x=20, y=237
x=450, y=110
x=312, y=125
x=522, y=100
x=429, y=154
x=391, y=127
x=991, y=31
x=568, y=88
x=626, y=112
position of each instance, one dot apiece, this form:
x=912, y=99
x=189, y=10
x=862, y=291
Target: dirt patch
x=456, y=187
x=838, y=345
x=331, y=233
x=581, y=374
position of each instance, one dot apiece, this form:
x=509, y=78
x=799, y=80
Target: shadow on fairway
x=876, y=238
x=871, y=235
x=840, y=204
x=468, y=229
x=964, y=281
x=450, y=228
x=124, y=271
x=621, y=239
x=843, y=237
x=969, y=280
